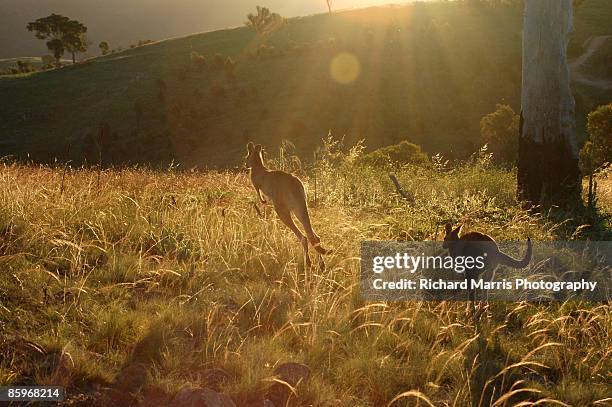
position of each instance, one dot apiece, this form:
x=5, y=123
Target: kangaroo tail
x=514, y=263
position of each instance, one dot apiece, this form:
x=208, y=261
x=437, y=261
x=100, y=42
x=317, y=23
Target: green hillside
x=425, y=72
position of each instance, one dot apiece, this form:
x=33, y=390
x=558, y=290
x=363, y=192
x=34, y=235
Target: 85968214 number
x=32, y=393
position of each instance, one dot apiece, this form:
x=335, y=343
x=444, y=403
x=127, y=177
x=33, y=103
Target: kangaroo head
x=253, y=157
x=451, y=235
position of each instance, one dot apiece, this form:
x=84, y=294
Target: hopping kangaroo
x=476, y=244
x=287, y=194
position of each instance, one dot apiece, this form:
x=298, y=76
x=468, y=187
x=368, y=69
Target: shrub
x=25, y=66
x=264, y=21
x=198, y=60
x=397, y=154
x=587, y=165
x=500, y=131
x=597, y=151
x=104, y=47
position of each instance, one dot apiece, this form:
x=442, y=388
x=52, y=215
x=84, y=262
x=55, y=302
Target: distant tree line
x=63, y=34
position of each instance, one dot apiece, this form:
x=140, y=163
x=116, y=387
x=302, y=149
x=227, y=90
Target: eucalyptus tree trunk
x=548, y=170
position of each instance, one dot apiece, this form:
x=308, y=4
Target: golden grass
x=176, y=271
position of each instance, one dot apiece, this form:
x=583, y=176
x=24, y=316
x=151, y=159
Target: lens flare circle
x=345, y=68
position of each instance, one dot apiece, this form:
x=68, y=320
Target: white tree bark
x=546, y=99
x=548, y=126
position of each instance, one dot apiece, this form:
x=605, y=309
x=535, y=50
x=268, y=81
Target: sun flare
x=345, y=68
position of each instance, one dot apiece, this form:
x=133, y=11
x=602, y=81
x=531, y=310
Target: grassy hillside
x=425, y=72
x=123, y=23
x=128, y=286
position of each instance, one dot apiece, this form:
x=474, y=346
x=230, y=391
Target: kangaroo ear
x=448, y=228
x=258, y=148
x=250, y=146
x=457, y=230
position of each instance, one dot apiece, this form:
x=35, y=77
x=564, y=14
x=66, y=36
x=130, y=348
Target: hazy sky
x=122, y=22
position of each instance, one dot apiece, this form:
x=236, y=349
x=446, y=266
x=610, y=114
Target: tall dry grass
x=176, y=272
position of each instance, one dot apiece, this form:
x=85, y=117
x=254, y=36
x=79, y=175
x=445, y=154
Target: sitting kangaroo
x=287, y=194
x=476, y=244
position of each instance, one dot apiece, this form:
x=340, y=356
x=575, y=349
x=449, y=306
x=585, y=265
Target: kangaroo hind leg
x=285, y=216
x=313, y=238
